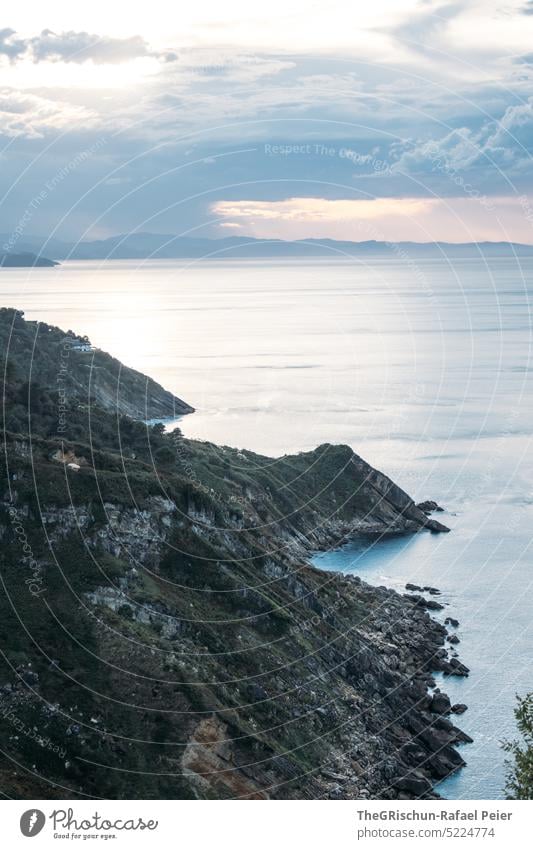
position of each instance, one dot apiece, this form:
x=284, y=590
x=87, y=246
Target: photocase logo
x=32, y=822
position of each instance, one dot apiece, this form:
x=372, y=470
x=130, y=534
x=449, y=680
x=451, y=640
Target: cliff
x=163, y=630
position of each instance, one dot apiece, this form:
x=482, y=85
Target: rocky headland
x=162, y=628
x=65, y=370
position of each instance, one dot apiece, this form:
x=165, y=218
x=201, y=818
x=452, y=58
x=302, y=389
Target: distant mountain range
x=167, y=246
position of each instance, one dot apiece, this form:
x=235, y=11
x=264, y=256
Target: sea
x=423, y=366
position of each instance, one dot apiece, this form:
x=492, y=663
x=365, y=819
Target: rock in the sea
x=455, y=667
x=453, y=638
x=445, y=761
x=436, y=527
x=459, y=708
x=414, y=588
x=433, y=605
x=462, y=737
x=429, y=507
x=427, y=603
x=451, y=621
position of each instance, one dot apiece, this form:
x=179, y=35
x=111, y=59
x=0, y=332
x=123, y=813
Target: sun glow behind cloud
x=91, y=76
x=456, y=219
x=279, y=24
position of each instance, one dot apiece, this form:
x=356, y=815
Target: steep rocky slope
x=163, y=635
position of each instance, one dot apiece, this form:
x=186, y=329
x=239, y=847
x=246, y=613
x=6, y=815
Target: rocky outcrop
x=393, y=502
x=430, y=507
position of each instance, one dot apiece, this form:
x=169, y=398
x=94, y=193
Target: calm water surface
x=425, y=371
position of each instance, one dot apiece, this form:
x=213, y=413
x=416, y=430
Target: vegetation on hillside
x=160, y=626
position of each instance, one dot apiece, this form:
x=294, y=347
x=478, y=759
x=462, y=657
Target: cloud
x=28, y=115
x=398, y=117
x=419, y=30
x=265, y=89
x=10, y=46
x=227, y=64
x=84, y=47
x=78, y=47
x=497, y=150
x=317, y=209
x=315, y=217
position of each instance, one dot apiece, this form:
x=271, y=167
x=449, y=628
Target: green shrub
x=520, y=766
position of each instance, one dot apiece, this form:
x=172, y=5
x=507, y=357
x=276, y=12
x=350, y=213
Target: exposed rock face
x=117, y=388
x=210, y=763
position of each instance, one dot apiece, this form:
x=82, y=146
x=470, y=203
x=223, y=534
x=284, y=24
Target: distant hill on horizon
x=168, y=246
x=25, y=260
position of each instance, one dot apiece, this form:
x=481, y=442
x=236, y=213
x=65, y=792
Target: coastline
x=258, y=675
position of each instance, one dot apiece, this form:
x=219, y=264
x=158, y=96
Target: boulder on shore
x=428, y=603
x=430, y=507
x=455, y=667
x=440, y=703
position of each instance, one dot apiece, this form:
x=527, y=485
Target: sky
x=396, y=120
